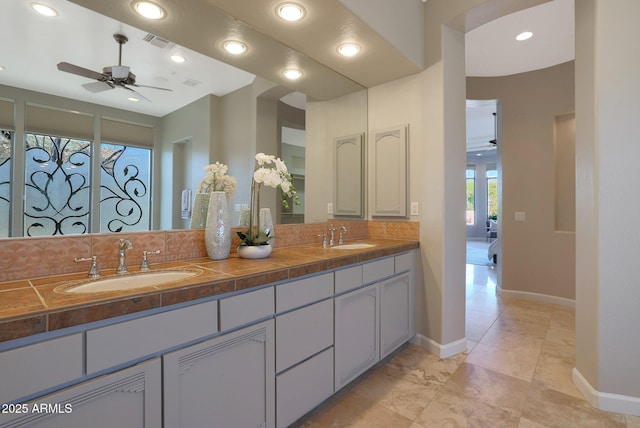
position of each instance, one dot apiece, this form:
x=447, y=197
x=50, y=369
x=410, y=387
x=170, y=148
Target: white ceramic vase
x=217, y=235
x=200, y=208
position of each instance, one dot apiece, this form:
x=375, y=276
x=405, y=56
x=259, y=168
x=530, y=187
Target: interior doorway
x=482, y=182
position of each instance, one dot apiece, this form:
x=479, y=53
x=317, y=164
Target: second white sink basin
x=353, y=246
x=131, y=281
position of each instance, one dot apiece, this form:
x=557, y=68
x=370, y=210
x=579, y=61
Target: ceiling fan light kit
x=116, y=76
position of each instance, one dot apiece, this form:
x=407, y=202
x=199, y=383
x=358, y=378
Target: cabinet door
x=391, y=172
x=348, y=183
x=395, y=314
x=129, y=398
x=356, y=334
x=227, y=381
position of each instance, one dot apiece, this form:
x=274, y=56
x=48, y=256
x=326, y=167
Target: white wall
x=608, y=295
x=437, y=162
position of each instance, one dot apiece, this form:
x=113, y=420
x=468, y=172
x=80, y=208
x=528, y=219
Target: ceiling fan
x=116, y=76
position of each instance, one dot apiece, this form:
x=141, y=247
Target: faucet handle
x=93, y=271
x=324, y=240
x=145, y=263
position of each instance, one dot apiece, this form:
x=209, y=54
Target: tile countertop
x=29, y=307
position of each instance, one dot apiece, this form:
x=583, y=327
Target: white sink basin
x=352, y=246
x=131, y=281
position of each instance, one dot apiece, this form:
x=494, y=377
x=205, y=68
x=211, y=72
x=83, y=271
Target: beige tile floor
x=517, y=373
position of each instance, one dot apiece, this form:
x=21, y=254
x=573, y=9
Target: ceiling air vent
x=158, y=42
x=191, y=82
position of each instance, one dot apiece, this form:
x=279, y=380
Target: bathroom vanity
x=290, y=333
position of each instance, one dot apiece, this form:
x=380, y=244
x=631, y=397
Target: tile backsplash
x=22, y=258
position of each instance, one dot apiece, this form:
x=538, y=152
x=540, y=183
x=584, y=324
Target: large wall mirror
x=151, y=151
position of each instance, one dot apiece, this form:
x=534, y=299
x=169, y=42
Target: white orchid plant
x=217, y=180
x=271, y=172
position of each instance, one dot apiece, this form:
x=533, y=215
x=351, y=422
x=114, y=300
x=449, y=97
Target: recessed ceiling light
x=133, y=99
x=292, y=73
x=149, y=10
x=43, y=9
x=290, y=11
x=178, y=58
x=349, y=49
x=234, y=47
x=524, y=36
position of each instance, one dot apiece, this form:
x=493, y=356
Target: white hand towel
x=186, y=204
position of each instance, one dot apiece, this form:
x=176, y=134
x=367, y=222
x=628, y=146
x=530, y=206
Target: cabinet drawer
x=302, y=333
x=303, y=292
x=377, y=270
x=304, y=387
x=245, y=308
x=43, y=365
x=116, y=344
x=348, y=279
x=404, y=262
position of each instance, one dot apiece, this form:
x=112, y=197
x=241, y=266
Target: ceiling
x=492, y=50
x=33, y=45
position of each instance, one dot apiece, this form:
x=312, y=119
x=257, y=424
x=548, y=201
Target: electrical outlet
x=414, y=208
x=521, y=216
x=330, y=208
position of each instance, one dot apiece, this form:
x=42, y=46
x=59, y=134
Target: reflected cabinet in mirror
x=75, y=160
x=349, y=173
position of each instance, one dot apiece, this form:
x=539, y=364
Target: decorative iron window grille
x=124, y=188
x=6, y=140
x=58, y=187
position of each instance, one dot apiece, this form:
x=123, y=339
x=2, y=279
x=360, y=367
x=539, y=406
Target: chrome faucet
x=332, y=231
x=125, y=245
x=343, y=230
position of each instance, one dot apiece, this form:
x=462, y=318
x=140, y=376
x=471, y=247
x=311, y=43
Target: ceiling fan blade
x=137, y=94
x=151, y=87
x=95, y=87
x=80, y=71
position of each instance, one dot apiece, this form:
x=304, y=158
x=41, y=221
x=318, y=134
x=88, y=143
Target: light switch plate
x=330, y=208
x=521, y=216
x=414, y=208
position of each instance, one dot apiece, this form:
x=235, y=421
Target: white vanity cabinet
x=128, y=398
x=227, y=381
x=262, y=358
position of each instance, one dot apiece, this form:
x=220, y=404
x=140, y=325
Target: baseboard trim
x=527, y=295
x=442, y=351
x=605, y=400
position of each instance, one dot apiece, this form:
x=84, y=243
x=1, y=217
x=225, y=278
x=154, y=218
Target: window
x=57, y=187
x=59, y=190
x=492, y=194
x=125, y=174
x=6, y=140
x=471, y=196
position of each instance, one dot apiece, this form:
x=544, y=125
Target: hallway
x=516, y=373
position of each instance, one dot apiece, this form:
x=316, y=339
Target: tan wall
x=536, y=257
